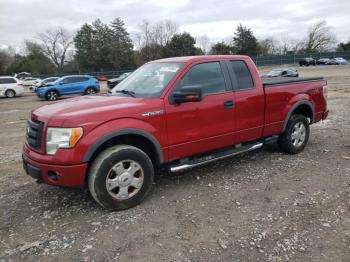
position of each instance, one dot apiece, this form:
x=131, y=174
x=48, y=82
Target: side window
x=243, y=76
x=1, y=81
x=8, y=81
x=68, y=80
x=207, y=76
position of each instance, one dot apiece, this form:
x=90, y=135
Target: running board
x=215, y=156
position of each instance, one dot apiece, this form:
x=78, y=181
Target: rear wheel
x=90, y=91
x=10, y=93
x=296, y=135
x=121, y=177
x=51, y=95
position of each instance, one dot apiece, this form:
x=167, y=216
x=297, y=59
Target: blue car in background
x=68, y=85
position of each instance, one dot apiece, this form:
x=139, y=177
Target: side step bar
x=215, y=156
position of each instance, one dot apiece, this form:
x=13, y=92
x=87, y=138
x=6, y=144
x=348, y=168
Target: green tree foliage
x=181, y=45
x=103, y=47
x=221, y=49
x=244, y=41
x=35, y=61
x=5, y=61
x=344, y=46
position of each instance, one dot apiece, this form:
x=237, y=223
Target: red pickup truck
x=176, y=113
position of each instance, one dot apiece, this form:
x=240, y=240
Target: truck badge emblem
x=153, y=113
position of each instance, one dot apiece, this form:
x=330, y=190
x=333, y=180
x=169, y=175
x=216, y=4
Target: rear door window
x=8, y=81
x=241, y=75
x=68, y=80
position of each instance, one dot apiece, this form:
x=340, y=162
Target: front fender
x=108, y=130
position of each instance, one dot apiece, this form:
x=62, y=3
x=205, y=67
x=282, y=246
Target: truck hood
x=94, y=109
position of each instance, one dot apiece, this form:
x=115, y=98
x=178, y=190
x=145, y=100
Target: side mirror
x=187, y=94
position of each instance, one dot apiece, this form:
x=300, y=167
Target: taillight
x=325, y=92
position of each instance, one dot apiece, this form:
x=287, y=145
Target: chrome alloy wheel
x=52, y=95
x=298, y=134
x=124, y=179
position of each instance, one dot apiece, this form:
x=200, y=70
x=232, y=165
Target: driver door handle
x=228, y=104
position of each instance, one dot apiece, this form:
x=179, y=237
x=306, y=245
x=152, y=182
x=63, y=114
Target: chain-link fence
x=108, y=74
x=259, y=61
x=295, y=58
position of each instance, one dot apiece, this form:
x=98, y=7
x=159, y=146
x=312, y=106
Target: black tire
x=102, y=168
x=90, y=91
x=286, y=141
x=51, y=95
x=10, y=93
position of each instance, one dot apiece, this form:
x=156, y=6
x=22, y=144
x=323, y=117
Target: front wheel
x=296, y=135
x=120, y=177
x=51, y=95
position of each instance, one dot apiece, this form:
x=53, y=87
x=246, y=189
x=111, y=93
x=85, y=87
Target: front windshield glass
x=149, y=80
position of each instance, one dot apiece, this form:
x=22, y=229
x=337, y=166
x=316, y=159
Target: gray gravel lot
x=259, y=206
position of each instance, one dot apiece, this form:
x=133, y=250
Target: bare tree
x=319, y=37
x=56, y=44
x=157, y=34
x=203, y=42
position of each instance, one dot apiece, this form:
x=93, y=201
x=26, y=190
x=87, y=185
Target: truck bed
x=285, y=81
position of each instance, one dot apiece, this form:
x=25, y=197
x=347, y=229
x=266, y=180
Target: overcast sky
x=23, y=19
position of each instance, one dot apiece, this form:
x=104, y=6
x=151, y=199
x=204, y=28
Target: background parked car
x=44, y=82
x=323, y=61
x=114, y=81
x=22, y=75
x=10, y=86
x=340, y=61
x=282, y=72
x=67, y=85
x=307, y=61
x=102, y=78
x=30, y=81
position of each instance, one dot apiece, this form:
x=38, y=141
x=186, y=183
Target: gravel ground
x=259, y=206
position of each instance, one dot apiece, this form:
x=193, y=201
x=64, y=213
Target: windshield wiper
x=127, y=92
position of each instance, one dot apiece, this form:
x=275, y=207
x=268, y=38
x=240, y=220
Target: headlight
x=62, y=138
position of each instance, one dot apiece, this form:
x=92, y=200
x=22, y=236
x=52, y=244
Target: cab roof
x=191, y=59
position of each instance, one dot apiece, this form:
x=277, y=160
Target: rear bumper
x=58, y=175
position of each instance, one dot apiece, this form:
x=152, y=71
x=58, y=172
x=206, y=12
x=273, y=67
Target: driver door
x=197, y=127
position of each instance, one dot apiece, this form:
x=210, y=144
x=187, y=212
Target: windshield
x=149, y=80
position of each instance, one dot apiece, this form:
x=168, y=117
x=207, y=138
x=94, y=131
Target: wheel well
x=53, y=89
x=135, y=140
x=304, y=110
x=90, y=87
x=10, y=89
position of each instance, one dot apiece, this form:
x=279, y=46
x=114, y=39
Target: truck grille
x=34, y=132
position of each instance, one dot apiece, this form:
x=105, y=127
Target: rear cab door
x=249, y=100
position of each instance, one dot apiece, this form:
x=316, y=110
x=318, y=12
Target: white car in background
x=44, y=82
x=30, y=82
x=10, y=86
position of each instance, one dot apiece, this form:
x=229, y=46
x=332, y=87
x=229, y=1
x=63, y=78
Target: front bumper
x=58, y=175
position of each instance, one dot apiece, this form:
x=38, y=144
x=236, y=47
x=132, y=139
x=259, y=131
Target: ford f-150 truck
x=176, y=113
